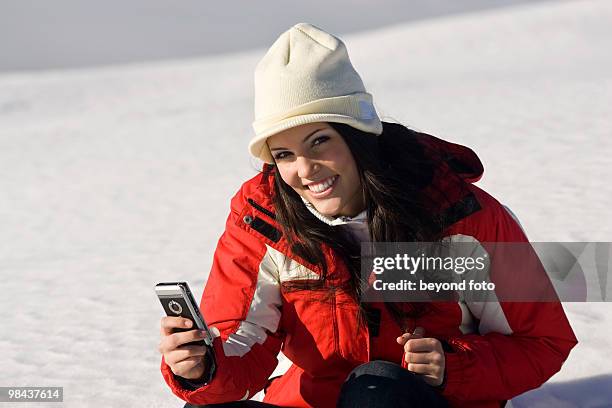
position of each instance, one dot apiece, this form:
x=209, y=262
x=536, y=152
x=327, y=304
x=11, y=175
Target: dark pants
x=374, y=384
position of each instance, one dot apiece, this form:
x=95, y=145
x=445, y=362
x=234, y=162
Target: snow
x=116, y=178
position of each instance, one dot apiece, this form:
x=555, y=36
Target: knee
x=386, y=371
x=384, y=384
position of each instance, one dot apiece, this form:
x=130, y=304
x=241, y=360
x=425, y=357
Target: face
x=316, y=162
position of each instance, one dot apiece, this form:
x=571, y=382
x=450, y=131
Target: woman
x=286, y=272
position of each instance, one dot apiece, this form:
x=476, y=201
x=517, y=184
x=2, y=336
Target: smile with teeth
x=322, y=186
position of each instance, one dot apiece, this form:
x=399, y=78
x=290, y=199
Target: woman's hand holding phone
x=187, y=361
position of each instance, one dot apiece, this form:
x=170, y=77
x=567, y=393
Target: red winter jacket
x=499, y=349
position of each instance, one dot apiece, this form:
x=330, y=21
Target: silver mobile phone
x=177, y=300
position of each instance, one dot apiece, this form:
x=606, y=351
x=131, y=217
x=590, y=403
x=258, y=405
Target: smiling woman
x=316, y=162
x=286, y=272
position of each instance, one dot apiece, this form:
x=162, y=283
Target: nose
x=306, y=167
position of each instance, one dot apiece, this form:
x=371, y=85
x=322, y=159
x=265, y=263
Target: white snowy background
x=113, y=179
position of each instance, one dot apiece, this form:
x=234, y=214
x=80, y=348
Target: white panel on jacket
x=490, y=313
x=288, y=269
x=264, y=311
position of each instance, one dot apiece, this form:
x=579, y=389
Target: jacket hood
x=461, y=159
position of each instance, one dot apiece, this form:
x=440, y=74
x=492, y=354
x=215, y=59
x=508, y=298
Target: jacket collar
x=360, y=218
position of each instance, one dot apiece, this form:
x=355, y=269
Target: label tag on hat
x=366, y=110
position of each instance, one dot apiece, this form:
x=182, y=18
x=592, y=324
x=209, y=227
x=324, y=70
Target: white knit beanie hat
x=306, y=77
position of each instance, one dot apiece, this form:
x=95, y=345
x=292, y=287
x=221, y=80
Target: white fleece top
x=357, y=226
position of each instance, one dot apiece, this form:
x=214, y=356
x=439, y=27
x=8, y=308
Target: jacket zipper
x=335, y=325
x=261, y=209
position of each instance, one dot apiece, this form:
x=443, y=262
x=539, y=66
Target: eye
x=282, y=155
x=320, y=140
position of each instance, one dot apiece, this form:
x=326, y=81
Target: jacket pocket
x=306, y=320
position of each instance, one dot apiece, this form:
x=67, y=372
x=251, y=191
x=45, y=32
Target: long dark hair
x=394, y=170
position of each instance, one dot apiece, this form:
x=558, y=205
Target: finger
x=431, y=375
x=169, y=323
x=427, y=344
x=423, y=369
x=176, y=340
x=176, y=356
x=416, y=334
x=185, y=366
x=184, y=353
x=418, y=358
x=404, y=338
x=182, y=338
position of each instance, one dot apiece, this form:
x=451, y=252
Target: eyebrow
x=303, y=141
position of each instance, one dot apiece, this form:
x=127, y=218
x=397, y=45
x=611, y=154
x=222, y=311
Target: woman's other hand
x=187, y=361
x=424, y=356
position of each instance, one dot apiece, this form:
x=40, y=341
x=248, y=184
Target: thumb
x=418, y=333
x=214, y=331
